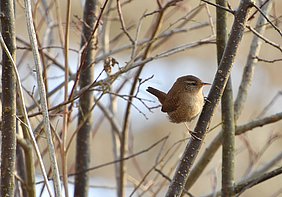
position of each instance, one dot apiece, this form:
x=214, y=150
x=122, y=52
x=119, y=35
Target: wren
x=184, y=101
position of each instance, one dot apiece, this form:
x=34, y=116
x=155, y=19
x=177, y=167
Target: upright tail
x=157, y=93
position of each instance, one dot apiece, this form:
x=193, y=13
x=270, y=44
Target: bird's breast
x=189, y=107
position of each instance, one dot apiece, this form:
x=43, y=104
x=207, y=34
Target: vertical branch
x=26, y=123
x=221, y=77
x=86, y=100
x=113, y=100
x=228, y=143
x=48, y=39
x=116, y=142
x=66, y=112
x=22, y=170
x=59, y=21
x=247, y=77
x=30, y=167
x=227, y=109
x=125, y=130
x=8, y=146
x=43, y=101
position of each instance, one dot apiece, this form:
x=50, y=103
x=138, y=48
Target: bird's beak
x=206, y=84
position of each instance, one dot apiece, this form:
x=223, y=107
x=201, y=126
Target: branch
x=219, y=6
x=25, y=117
x=266, y=60
x=119, y=160
x=240, y=187
x=121, y=19
x=266, y=40
x=266, y=18
x=250, y=65
x=8, y=101
x=244, y=185
x=246, y=80
x=222, y=75
x=227, y=110
x=34, y=45
x=215, y=144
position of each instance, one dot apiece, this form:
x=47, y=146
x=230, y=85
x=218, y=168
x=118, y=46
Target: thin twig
x=116, y=161
x=273, y=100
x=121, y=19
x=242, y=186
x=246, y=184
x=272, y=24
x=66, y=113
x=249, y=68
x=52, y=154
x=218, y=6
x=266, y=60
x=266, y=40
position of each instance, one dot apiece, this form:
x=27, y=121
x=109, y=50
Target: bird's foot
x=192, y=133
x=207, y=100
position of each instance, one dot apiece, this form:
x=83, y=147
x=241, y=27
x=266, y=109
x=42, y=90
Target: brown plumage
x=184, y=101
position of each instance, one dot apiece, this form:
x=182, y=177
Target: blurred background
x=148, y=124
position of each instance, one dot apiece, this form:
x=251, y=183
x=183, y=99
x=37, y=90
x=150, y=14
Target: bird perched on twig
x=184, y=101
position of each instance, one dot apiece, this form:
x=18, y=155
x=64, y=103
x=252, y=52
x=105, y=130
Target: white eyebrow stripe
x=190, y=82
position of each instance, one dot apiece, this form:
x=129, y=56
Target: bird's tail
x=159, y=94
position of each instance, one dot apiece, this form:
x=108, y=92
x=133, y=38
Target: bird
x=184, y=101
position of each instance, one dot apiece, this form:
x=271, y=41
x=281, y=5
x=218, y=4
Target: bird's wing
x=170, y=104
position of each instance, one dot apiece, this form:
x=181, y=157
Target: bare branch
x=222, y=75
x=267, y=61
x=272, y=24
x=43, y=101
x=218, y=6
x=25, y=117
x=266, y=40
x=242, y=186
x=121, y=19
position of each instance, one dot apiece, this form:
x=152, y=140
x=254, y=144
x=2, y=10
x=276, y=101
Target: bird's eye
x=191, y=83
